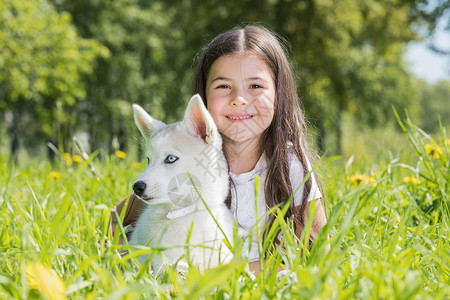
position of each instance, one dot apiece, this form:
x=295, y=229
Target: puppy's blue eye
x=170, y=159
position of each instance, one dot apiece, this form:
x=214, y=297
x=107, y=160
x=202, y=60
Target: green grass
x=390, y=237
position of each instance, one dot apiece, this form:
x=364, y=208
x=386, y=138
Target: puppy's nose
x=139, y=188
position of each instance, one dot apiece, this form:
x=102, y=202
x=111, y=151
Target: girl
x=248, y=86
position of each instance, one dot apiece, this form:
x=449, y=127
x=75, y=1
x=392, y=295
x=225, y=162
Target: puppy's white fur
x=173, y=203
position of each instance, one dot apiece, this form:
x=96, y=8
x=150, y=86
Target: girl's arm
x=319, y=221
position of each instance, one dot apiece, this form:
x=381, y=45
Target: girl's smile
x=240, y=93
x=237, y=118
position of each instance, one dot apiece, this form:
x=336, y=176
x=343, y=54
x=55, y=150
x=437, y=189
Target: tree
x=139, y=69
x=434, y=105
x=347, y=54
x=43, y=62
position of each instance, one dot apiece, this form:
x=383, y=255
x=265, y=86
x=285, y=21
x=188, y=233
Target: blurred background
x=74, y=67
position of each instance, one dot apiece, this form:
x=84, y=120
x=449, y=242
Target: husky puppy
x=185, y=160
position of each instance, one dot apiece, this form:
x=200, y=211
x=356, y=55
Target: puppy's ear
x=198, y=121
x=145, y=123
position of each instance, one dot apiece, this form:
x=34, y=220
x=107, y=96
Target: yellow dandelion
x=136, y=165
x=370, y=179
x=68, y=158
x=121, y=154
x=55, y=175
x=361, y=179
x=45, y=280
x=415, y=180
x=78, y=159
x=434, y=152
x=357, y=179
x=447, y=142
x=411, y=179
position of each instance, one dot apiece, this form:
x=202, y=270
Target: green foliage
x=41, y=54
x=76, y=66
x=389, y=234
x=141, y=68
x=43, y=63
x=434, y=105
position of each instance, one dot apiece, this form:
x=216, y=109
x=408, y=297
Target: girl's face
x=240, y=95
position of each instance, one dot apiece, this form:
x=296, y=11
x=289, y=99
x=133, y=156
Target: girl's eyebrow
x=220, y=78
x=228, y=79
x=256, y=78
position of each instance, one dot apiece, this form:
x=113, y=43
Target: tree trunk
x=322, y=132
x=13, y=133
x=122, y=135
x=338, y=124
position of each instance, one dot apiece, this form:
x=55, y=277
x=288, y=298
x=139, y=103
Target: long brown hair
x=288, y=124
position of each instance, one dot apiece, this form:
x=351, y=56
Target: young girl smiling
x=247, y=84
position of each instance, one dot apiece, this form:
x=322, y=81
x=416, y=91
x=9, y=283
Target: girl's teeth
x=240, y=118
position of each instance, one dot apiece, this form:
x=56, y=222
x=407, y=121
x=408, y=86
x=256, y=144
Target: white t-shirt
x=243, y=208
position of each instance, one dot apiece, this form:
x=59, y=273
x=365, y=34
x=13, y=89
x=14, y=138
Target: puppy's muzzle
x=139, y=188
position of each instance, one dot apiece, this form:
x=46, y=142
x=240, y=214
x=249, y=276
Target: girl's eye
x=170, y=159
x=223, y=86
x=222, y=90
x=255, y=86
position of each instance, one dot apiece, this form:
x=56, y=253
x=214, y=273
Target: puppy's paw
x=129, y=229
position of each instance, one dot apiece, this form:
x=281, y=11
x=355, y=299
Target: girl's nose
x=238, y=99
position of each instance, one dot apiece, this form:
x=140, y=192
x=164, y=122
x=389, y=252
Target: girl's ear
x=198, y=121
x=145, y=123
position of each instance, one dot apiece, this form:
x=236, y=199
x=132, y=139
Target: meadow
x=389, y=225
